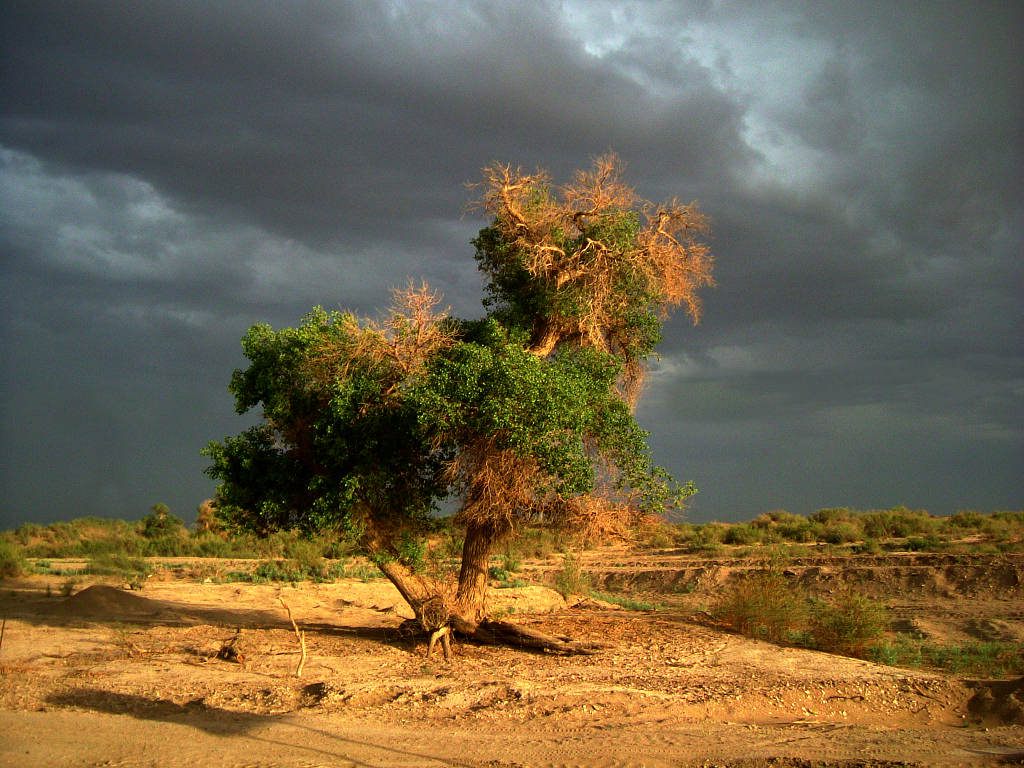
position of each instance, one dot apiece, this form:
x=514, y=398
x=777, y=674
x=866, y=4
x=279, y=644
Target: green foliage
x=12, y=561
x=367, y=425
x=341, y=448
x=870, y=532
x=765, y=605
x=771, y=606
x=629, y=603
x=839, y=532
x=975, y=659
x=571, y=579
x=849, y=624
x=512, y=560
x=161, y=524
x=742, y=534
x=117, y=564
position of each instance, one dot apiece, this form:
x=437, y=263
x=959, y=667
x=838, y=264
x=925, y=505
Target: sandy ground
x=108, y=677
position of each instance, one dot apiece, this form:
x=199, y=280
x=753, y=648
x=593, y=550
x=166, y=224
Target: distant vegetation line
x=835, y=530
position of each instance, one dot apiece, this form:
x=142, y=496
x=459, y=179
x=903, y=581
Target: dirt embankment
x=921, y=575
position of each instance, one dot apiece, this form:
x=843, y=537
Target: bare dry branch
x=299, y=635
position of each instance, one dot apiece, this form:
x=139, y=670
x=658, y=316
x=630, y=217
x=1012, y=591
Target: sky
x=174, y=172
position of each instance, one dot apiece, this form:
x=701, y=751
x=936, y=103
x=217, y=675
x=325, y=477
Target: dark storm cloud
x=173, y=172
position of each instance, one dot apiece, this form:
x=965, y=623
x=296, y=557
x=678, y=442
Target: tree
x=523, y=416
x=161, y=523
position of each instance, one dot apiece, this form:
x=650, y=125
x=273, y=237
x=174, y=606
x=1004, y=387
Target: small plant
x=840, y=532
x=67, y=589
x=869, y=547
x=512, y=560
x=571, y=580
x=625, y=602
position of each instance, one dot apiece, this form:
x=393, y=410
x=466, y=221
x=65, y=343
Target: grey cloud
x=173, y=172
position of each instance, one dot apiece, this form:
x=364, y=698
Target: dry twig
x=299, y=635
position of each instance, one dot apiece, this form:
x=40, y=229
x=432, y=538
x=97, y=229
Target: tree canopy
x=522, y=416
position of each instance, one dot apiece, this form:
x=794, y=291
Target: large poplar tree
x=523, y=416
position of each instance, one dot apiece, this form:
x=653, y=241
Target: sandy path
x=79, y=739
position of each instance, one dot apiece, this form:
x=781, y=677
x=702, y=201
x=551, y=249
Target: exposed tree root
x=491, y=632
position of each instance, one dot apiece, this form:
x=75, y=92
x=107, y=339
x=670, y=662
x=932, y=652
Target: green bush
x=767, y=605
x=870, y=547
x=623, y=601
x=832, y=515
x=706, y=539
x=840, y=532
x=897, y=522
x=512, y=560
x=571, y=580
x=160, y=523
x=985, y=660
x=849, y=625
x=742, y=534
x=924, y=544
x=12, y=561
x=799, y=530
x=965, y=520
x=764, y=604
x=117, y=564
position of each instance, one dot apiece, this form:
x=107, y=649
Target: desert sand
x=113, y=677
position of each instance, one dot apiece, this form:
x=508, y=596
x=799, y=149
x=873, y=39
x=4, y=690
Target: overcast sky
x=173, y=172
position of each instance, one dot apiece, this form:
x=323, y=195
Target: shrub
x=897, y=522
x=24, y=534
x=800, y=529
x=12, y=561
x=571, y=580
x=206, y=545
x=512, y=560
x=167, y=546
x=840, y=532
x=206, y=519
x=850, y=625
x=655, y=535
x=965, y=520
x=764, y=604
x=625, y=602
x=742, y=534
x=160, y=523
x=832, y=515
x=870, y=547
x=706, y=538
x=117, y=564
x=928, y=543
x=987, y=660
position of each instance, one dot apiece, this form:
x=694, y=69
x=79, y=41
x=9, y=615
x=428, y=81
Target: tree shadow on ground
x=222, y=722
x=110, y=606
x=194, y=713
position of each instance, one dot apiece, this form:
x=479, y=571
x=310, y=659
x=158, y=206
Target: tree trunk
x=472, y=593
x=412, y=588
x=468, y=614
